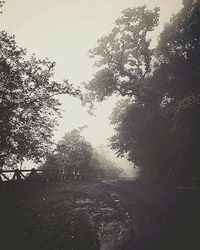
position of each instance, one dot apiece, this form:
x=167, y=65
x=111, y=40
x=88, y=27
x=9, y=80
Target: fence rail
x=48, y=175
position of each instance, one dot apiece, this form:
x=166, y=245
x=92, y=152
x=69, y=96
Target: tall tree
x=124, y=56
x=158, y=127
x=29, y=105
x=170, y=108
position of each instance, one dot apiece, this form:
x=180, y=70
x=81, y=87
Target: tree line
x=80, y=160
x=157, y=119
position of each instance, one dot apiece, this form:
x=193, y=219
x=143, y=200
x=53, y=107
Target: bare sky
x=64, y=31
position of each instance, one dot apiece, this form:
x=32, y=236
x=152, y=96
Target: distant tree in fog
x=75, y=153
x=109, y=168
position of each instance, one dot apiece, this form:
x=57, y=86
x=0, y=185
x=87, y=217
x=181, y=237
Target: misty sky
x=64, y=31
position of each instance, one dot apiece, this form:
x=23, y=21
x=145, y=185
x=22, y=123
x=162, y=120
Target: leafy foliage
x=124, y=56
x=28, y=103
x=157, y=126
x=74, y=153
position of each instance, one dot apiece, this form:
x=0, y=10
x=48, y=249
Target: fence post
x=17, y=175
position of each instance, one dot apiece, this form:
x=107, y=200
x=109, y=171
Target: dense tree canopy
x=28, y=103
x=157, y=126
x=74, y=151
x=124, y=56
x=75, y=154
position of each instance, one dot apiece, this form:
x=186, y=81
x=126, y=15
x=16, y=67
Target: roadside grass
x=46, y=219
x=64, y=216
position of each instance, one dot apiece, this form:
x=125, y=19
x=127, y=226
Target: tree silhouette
x=29, y=105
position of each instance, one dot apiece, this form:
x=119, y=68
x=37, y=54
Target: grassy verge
x=64, y=216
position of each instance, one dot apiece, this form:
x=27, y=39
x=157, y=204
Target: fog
x=64, y=31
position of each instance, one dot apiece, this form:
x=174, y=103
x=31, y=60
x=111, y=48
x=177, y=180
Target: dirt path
x=163, y=219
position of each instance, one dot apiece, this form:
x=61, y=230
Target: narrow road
x=163, y=218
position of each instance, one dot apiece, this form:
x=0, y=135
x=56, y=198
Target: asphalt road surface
x=163, y=218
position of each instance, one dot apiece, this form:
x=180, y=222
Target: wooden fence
x=38, y=174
